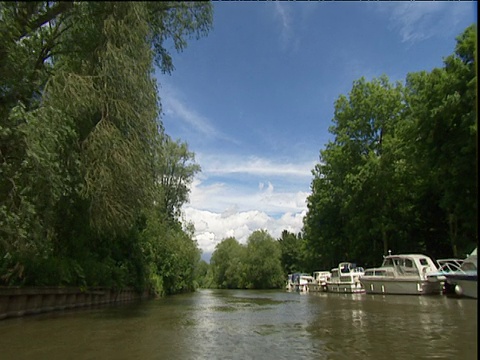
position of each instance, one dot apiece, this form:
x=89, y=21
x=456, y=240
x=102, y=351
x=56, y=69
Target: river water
x=248, y=324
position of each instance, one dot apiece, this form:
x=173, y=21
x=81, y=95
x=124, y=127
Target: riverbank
x=22, y=301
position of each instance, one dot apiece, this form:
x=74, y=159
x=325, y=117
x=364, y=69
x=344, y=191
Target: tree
x=228, y=264
x=204, y=275
x=292, y=250
x=355, y=185
x=79, y=129
x=443, y=116
x=176, y=171
x=401, y=173
x=264, y=267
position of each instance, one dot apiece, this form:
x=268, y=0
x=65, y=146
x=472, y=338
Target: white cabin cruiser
x=320, y=279
x=402, y=274
x=302, y=282
x=299, y=282
x=345, y=279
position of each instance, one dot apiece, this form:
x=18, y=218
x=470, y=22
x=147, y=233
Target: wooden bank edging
x=20, y=301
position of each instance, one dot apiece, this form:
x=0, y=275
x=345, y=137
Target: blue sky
x=254, y=98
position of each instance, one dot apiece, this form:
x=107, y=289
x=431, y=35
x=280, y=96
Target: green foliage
x=174, y=20
x=204, y=275
x=172, y=254
x=264, y=268
x=254, y=265
x=443, y=114
x=82, y=151
x=401, y=173
x=228, y=264
x=177, y=168
x=293, y=253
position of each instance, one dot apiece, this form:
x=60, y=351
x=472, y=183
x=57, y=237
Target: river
x=248, y=324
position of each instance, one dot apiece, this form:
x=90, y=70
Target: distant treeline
x=90, y=184
x=401, y=174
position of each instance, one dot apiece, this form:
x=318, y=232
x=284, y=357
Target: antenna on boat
x=389, y=252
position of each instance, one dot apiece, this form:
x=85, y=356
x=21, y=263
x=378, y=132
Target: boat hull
x=317, y=287
x=345, y=287
x=465, y=284
x=467, y=288
x=401, y=287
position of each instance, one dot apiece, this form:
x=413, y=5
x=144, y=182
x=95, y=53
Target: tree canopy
x=90, y=184
x=255, y=265
x=401, y=172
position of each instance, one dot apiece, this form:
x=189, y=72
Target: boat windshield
x=388, y=262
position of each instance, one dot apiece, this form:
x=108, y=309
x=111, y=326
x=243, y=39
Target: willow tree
x=117, y=107
x=79, y=117
x=176, y=169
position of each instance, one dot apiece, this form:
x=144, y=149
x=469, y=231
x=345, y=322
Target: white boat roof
x=413, y=256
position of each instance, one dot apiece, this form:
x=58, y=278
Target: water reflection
x=216, y=324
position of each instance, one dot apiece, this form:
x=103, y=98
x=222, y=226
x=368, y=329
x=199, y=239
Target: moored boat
x=299, y=282
x=345, y=279
x=445, y=266
x=290, y=286
x=302, y=282
x=320, y=279
x=464, y=280
x=403, y=274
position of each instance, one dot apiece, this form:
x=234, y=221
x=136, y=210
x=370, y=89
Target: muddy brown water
x=248, y=324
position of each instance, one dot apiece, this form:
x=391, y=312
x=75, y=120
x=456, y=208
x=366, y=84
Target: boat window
x=388, y=262
x=423, y=261
x=409, y=263
x=345, y=269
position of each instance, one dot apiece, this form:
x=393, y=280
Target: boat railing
x=450, y=265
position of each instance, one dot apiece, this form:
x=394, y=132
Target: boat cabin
x=414, y=265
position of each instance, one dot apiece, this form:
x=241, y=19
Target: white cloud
x=231, y=182
x=177, y=109
x=225, y=164
x=417, y=21
x=220, y=209
x=174, y=107
x=234, y=194
x=211, y=227
x=282, y=11
x=222, y=197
